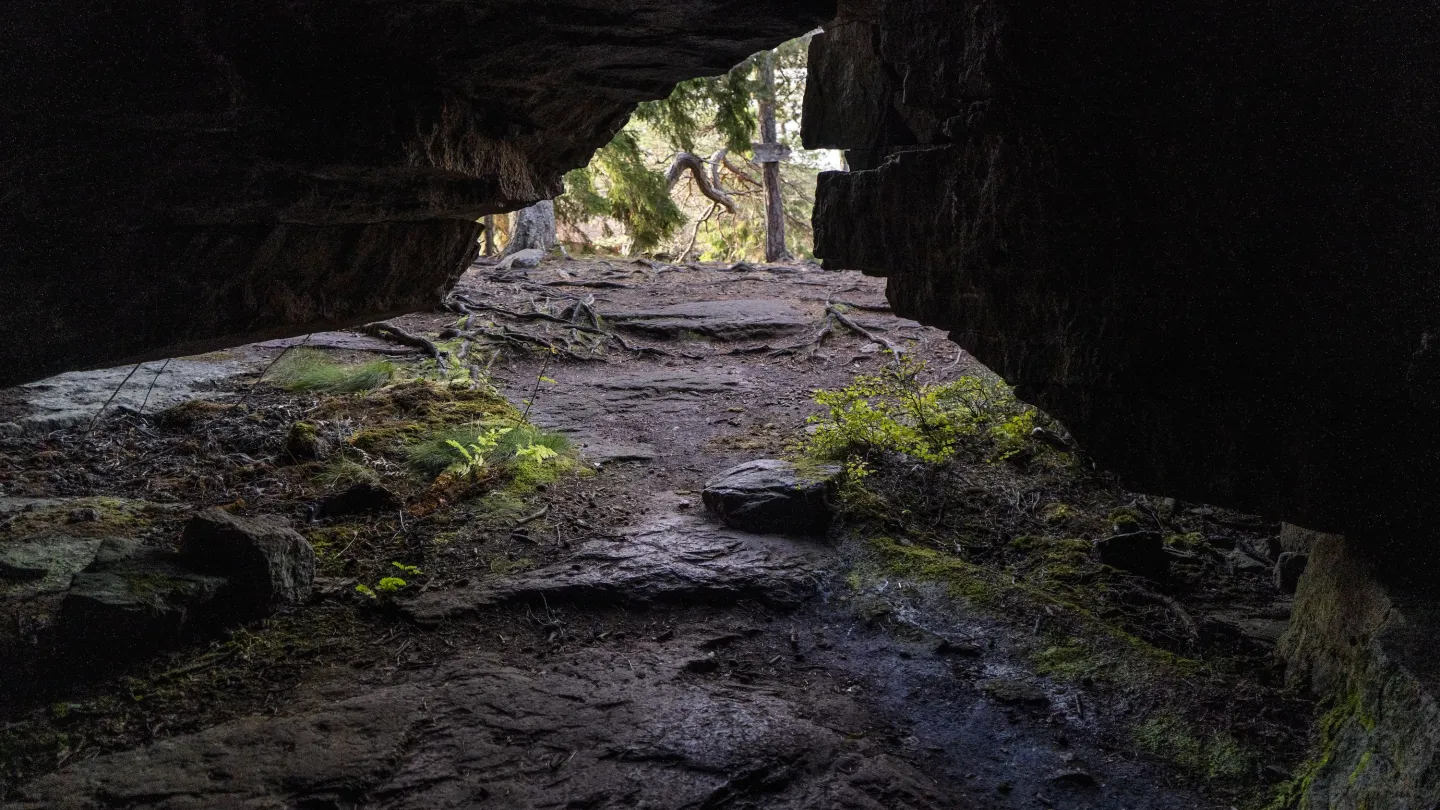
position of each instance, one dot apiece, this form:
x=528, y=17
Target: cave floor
x=602, y=643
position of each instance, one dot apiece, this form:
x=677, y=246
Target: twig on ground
x=113, y=394
x=532, y=518
x=151, y=389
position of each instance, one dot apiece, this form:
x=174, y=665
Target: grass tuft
x=312, y=370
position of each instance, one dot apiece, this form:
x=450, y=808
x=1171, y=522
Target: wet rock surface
x=773, y=497
x=738, y=319
x=592, y=731
x=602, y=644
x=678, y=559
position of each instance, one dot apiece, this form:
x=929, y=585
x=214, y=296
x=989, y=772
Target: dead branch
x=684, y=161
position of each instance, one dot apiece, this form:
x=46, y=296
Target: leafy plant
x=438, y=453
x=537, y=453
x=895, y=412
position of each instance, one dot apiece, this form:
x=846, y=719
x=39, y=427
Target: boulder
x=773, y=497
x=130, y=601
x=1140, y=553
x=527, y=259
x=268, y=563
x=1288, y=570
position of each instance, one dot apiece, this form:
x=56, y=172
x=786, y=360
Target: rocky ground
x=598, y=638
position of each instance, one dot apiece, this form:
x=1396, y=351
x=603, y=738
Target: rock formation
x=182, y=175
x=1201, y=235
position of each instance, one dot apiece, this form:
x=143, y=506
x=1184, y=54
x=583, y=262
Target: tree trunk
x=775, y=250
x=532, y=227
x=489, y=234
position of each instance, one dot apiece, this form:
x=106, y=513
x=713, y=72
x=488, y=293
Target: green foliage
x=635, y=195
x=311, y=370
x=473, y=446
x=346, y=472
x=894, y=412
x=408, y=570
x=390, y=585
x=724, y=100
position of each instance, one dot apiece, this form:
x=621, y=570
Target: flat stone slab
x=75, y=397
x=743, y=319
x=575, y=406
x=679, y=558
x=598, y=729
x=771, y=496
x=340, y=341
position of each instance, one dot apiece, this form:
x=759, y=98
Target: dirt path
x=645, y=656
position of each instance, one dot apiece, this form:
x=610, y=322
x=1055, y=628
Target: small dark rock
x=773, y=497
x=303, y=442
x=88, y=514
x=1288, y=570
x=1242, y=563
x=1140, y=553
x=964, y=648
x=268, y=563
x=702, y=666
x=1012, y=692
x=359, y=499
x=1074, y=778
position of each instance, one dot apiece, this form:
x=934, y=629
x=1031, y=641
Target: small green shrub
x=894, y=412
x=311, y=370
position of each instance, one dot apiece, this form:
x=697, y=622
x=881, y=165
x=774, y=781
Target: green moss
x=1205, y=756
x=1193, y=541
x=1057, y=513
x=1348, y=709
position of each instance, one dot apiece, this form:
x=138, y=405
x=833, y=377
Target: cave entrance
x=480, y=512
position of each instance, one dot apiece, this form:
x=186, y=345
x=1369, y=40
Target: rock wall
x=1366, y=641
x=1203, y=235
x=180, y=175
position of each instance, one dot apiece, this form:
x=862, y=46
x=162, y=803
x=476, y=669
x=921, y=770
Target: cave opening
x=809, y=403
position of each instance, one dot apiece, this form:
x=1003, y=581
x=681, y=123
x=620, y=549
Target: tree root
x=389, y=331
x=850, y=324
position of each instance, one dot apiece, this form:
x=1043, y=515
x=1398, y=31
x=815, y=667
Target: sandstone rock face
x=1193, y=232
x=182, y=175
